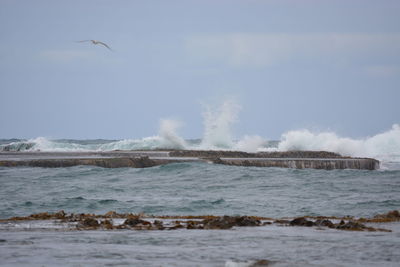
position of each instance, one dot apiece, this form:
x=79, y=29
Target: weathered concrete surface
x=241, y=154
x=119, y=162
x=143, y=159
x=297, y=163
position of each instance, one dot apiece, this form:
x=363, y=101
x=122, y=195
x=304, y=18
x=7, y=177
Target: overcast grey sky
x=325, y=65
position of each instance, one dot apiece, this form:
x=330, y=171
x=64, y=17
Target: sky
x=315, y=64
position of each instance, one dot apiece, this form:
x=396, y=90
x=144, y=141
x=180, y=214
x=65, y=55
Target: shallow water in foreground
x=287, y=246
x=200, y=188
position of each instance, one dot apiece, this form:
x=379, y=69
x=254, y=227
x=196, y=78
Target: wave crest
x=383, y=146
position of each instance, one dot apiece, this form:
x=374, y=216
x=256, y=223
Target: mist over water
x=218, y=122
x=217, y=125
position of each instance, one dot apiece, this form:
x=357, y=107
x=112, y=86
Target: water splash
x=217, y=125
x=384, y=146
x=168, y=135
x=251, y=143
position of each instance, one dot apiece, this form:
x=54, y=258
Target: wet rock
x=194, y=225
x=247, y=221
x=227, y=222
x=60, y=215
x=394, y=215
x=280, y=221
x=261, y=263
x=107, y=224
x=111, y=214
x=41, y=216
x=325, y=222
x=133, y=221
x=224, y=222
x=351, y=226
x=90, y=222
x=177, y=225
x=159, y=225
x=301, y=221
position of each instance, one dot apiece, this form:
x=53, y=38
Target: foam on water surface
x=218, y=135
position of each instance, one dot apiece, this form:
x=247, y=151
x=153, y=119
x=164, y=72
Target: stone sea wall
x=327, y=164
x=143, y=159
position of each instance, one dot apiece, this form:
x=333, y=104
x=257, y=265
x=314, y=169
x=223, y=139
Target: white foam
x=217, y=125
x=250, y=143
x=44, y=144
x=384, y=146
x=169, y=136
x=218, y=122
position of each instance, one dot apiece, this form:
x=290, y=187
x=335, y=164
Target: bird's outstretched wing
x=83, y=41
x=104, y=45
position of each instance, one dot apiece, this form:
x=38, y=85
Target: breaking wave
x=384, y=146
x=218, y=122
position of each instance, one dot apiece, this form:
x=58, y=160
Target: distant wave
x=384, y=146
x=218, y=135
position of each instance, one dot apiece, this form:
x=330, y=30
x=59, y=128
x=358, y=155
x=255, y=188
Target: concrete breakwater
x=303, y=163
x=143, y=159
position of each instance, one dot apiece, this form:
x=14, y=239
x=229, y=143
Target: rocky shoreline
x=116, y=221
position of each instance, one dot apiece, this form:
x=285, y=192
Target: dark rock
x=111, y=214
x=246, y=221
x=133, y=221
x=394, y=214
x=194, y=225
x=159, y=225
x=177, y=225
x=227, y=222
x=107, y=224
x=324, y=222
x=352, y=226
x=90, y=222
x=301, y=221
x=60, y=215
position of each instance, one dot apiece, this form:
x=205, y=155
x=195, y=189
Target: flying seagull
x=95, y=42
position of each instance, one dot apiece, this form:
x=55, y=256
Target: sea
x=193, y=188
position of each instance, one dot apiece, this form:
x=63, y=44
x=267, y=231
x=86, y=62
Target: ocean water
x=201, y=189
x=198, y=189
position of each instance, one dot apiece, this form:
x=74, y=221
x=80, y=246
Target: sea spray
x=169, y=136
x=384, y=146
x=218, y=122
x=250, y=143
x=166, y=139
x=217, y=125
x=44, y=144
